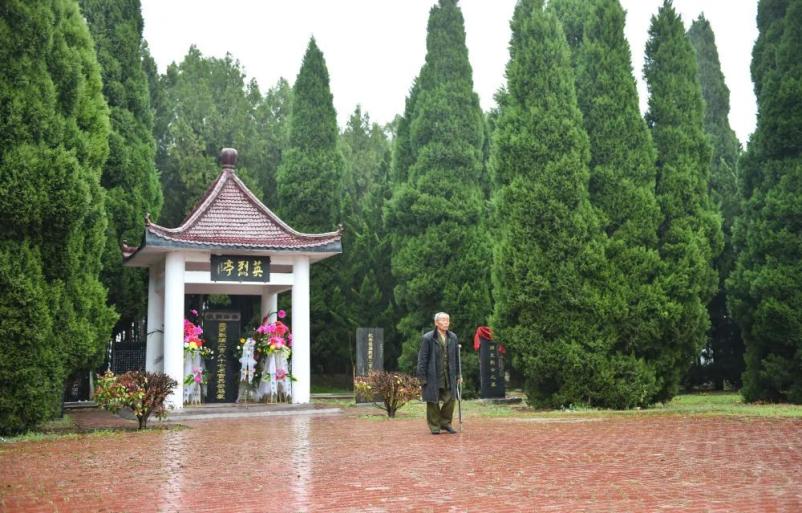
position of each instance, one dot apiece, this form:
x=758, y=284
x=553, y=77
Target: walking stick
x=459, y=386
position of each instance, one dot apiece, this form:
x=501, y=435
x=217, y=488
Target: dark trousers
x=440, y=416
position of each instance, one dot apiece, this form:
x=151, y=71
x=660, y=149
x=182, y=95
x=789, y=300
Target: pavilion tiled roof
x=229, y=215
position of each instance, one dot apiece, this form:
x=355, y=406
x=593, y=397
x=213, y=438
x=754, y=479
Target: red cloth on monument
x=485, y=332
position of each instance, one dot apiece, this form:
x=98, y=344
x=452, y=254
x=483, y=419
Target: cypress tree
x=129, y=175
x=365, y=269
x=440, y=252
x=549, y=258
x=207, y=105
x=53, y=142
x=574, y=16
x=31, y=368
x=403, y=156
x=621, y=187
x=273, y=129
x=312, y=166
x=690, y=231
x=724, y=349
x=308, y=186
x=766, y=285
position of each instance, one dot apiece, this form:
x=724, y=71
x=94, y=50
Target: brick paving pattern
x=346, y=464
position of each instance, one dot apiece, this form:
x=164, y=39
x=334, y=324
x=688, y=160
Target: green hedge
x=31, y=373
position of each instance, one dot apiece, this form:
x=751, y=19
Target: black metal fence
x=126, y=352
x=127, y=347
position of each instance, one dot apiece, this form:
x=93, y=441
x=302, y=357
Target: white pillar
x=269, y=303
x=300, y=330
x=174, y=324
x=154, y=352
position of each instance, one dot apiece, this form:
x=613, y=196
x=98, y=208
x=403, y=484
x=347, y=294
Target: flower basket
x=195, y=354
x=265, y=362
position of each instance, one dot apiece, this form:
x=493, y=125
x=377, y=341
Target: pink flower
x=282, y=314
x=197, y=378
x=281, y=374
x=261, y=329
x=194, y=312
x=271, y=328
x=280, y=328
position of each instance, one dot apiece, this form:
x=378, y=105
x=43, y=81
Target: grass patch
x=66, y=429
x=38, y=436
x=727, y=403
x=712, y=403
x=329, y=389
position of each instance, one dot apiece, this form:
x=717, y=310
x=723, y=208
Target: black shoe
x=450, y=429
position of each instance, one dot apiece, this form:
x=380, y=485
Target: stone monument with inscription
x=222, y=330
x=491, y=368
x=369, y=350
x=369, y=353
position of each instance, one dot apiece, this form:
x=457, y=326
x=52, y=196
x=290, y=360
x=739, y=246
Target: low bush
x=390, y=390
x=143, y=392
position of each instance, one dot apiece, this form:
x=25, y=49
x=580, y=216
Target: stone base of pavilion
x=239, y=410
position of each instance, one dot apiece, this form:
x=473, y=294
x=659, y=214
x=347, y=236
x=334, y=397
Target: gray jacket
x=427, y=364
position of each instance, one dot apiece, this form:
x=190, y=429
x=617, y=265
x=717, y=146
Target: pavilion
x=229, y=224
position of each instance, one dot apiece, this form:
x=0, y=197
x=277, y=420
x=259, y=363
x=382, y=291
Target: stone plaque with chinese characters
x=241, y=268
x=369, y=354
x=369, y=350
x=491, y=369
x=221, y=331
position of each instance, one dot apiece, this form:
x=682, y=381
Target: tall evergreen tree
x=403, y=153
x=206, y=106
x=690, y=232
x=766, y=285
x=158, y=105
x=621, y=185
x=549, y=259
x=273, y=136
x=129, y=175
x=54, y=128
x=365, y=270
x=308, y=186
x=723, y=353
x=440, y=251
x=312, y=166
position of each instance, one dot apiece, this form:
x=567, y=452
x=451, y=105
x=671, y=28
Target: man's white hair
x=440, y=314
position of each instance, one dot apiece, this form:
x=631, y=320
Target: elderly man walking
x=439, y=374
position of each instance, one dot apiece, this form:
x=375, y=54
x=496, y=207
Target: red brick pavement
x=345, y=464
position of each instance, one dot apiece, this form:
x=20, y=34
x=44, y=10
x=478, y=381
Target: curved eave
x=155, y=247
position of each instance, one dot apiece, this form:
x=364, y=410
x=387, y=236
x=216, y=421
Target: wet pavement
x=351, y=464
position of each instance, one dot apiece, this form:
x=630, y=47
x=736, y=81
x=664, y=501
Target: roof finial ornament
x=228, y=158
x=147, y=218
